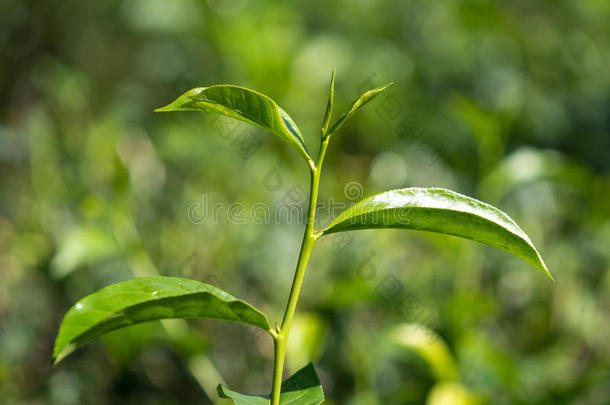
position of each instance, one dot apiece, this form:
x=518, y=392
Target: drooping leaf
x=329, y=106
x=451, y=393
x=87, y=244
x=356, y=105
x=307, y=337
x=147, y=299
x=443, y=211
x=245, y=105
x=303, y=388
x=428, y=345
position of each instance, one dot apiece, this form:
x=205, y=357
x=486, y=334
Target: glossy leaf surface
x=356, y=105
x=245, y=105
x=148, y=299
x=303, y=388
x=443, y=211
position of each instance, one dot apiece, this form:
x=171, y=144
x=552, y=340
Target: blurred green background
x=506, y=101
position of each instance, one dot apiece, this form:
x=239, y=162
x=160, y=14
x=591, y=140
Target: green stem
x=309, y=240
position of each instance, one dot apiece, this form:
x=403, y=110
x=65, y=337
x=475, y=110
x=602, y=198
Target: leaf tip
x=61, y=353
x=541, y=265
x=332, y=82
x=163, y=109
x=329, y=105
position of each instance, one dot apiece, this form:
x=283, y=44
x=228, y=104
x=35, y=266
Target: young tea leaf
x=148, y=299
x=245, y=105
x=356, y=105
x=443, y=211
x=329, y=105
x=303, y=388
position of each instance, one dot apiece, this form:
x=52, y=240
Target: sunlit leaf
x=356, y=105
x=147, y=299
x=303, y=388
x=245, y=105
x=428, y=345
x=307, y=337
x=87, y=244
x=443, y=211
x=527, y=166
x=450, y=393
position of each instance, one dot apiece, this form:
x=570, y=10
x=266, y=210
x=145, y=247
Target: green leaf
x=245, y=105
x=329, y=106
x=303, y=388
x=443, y=211
x=428, y=345
x=356, y=105
x=242, y=399
x=85, y=244
x=451, y=393
x=148, y=299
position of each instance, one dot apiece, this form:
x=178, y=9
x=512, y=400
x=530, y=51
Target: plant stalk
x=309, y=240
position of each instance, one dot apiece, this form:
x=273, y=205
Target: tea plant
x=153, y=298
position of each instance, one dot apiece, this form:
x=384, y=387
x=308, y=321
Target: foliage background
x=505, y=101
